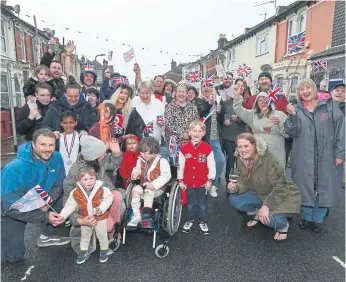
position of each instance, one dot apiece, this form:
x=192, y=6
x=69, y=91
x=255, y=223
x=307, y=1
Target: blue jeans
x=164, y=152
x=250, y=203
x=315, y=214
x=219, y=159
x=196, y=197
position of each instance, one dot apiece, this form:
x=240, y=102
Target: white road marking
x=226, y=230
x=340, y=261
x=28, y=272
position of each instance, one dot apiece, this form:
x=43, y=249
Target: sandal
x=278, y=233
x=253, y=222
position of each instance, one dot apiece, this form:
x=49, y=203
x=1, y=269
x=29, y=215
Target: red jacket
x=196, y=164
x=127, y=165
x=280, y=104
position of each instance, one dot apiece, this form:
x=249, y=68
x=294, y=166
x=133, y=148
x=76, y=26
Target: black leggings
x=229, y=147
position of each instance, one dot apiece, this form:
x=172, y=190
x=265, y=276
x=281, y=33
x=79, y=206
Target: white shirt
x=149, y=113
x=74, y=150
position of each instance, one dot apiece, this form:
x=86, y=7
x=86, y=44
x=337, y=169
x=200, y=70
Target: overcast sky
x=186, y=27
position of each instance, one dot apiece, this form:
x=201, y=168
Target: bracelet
x=68, y=54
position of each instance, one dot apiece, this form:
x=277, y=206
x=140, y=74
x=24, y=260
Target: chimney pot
x=173, y=64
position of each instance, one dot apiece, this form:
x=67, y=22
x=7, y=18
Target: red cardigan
x=127, y=165
x=280, y=104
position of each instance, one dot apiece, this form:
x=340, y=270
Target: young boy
x=196, y=173
x=69, y=140
x=130, y=158
x=154, y=172
x=90, y=198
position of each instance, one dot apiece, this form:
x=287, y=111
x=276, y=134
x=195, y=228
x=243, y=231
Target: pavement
x=232, y=252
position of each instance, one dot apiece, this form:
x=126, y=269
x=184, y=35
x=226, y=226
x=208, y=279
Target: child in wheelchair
x=153, y=173
x=196, y=173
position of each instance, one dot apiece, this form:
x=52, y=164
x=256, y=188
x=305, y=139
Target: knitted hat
x=91, y=147
x=265, y=74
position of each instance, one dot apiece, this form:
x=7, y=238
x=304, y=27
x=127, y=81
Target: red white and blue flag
x=160, y=120
x=129, y=55
x=88, y=67
x=174, y=148
x=319, y=66
x=296, y=43
x=34, y=199
x=194, y=76
x=120, y=79
x=273, y=94
x=203, y=119
x=149, y=129
x=244, y=70
x=209, y=81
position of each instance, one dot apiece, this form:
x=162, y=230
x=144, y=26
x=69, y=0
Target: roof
x=338, y=37
x=176, y=73
x=329, y=52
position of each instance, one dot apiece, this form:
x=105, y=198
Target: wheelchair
x=166, y=218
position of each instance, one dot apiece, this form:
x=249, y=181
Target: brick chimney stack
x=173, y=64
x=222, y=40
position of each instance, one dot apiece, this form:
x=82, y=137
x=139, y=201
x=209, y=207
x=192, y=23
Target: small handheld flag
x=203, y=119
x=120, y=79
x=129, y=55
x=244, y=70
x=320, y=66
x=149, y=128
x=274, y=94
x=88, y=67
x=194, y=76
x=209, y=81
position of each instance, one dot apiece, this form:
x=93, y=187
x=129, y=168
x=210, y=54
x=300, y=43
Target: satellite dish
x=16, y=9
x=266, y=67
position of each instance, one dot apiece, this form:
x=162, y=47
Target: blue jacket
x=25, y=172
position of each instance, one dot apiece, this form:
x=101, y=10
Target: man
x=71, y=101
x=338, y=95
x=37, y=163
x=225, y=89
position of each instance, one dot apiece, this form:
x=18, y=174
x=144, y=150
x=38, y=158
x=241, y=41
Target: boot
x=136, y=218
x=147, y=218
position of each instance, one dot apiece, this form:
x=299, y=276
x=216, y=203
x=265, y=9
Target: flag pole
x=134, y=53
x=49, y=206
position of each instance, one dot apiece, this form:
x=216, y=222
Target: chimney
x=246, y=30
x=222, y=40
x=280, y=9
x=173, y=64
x=3, y=2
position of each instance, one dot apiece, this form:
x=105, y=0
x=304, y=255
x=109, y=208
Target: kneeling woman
x=263, y=190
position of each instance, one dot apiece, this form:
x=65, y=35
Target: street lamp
x=99, y=55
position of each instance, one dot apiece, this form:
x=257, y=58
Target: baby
x=90, y=198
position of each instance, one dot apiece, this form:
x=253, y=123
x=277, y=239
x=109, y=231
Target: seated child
x=90, y=198
x=42, y=73
x=154, y=172
x=196, y=173
x=130, y=157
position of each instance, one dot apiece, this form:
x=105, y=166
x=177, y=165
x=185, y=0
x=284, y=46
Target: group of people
x=85, y=146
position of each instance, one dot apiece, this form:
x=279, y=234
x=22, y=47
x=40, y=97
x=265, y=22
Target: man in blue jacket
x=37, y=163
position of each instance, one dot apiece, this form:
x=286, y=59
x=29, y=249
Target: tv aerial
x=269, y=2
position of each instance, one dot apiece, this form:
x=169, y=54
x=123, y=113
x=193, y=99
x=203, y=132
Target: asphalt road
x=231, y=252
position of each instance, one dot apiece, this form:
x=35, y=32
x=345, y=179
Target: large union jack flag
x=273, y=94
x=244, y=70
x=120, y=79
x=320, y=66
x=296, y=43
x=194, y=76
x=209, y=81
x=88, y=67
x=129, y=55
x=149, y=128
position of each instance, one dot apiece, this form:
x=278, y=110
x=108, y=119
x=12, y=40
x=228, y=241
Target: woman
x=263, y=189
x=318, y=131
x=202, y=105
x=32, y=114
x=265, y=122
x=231, y=127
x=93, y=153
x=169, y=88
x=213, y=131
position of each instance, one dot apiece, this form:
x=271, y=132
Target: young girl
x=69, y=140
x=41, y=74
x=91, y=198
x=196, y=173
x=130, y=157
x=153, y=172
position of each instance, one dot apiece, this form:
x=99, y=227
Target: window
x=4, y=91
x=293, y=84
x=301, y=23
x=22, y=43
x=231, y=66
x=18, y=91
x=290, y=28
x=3, y=38
x=280, y=81
x=262, y=45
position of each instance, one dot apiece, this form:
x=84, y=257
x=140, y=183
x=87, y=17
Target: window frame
x=22, y=43
x=295, y=90
x=262, y=39
x=231, y=61
x=2, y=93
x=3, y=36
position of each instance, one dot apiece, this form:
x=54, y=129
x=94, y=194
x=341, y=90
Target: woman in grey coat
x=93, y=153
x=318, y=131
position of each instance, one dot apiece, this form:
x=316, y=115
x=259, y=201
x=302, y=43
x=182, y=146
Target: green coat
x=269, y=182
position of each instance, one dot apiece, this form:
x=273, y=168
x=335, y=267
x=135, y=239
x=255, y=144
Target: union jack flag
x=244, y=70
x=273, y=94
x=149, y=128
x=88, y=67
x=43, y=194
x=129, y=55
x=296, y=43
x=203, y=119
x=194, y=76
x=209, y=81
x=120, y=79
x=34, y=199
x=320, y=66
x=160, y=120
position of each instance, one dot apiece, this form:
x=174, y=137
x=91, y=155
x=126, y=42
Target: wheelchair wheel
x=161, y=251
x=174, y=210
x=128, y=197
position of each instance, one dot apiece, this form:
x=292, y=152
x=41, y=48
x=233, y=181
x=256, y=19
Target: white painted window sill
x=259, y=55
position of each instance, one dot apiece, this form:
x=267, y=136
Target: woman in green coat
x=262, y=189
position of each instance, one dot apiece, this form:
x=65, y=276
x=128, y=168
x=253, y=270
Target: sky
x=179, y=27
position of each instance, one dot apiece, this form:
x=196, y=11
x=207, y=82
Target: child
x=41, y=74
x=130, y=157
x=154, y=172
x=196, y=173
x=69, y=140
x=93, y=97
x=91, y=199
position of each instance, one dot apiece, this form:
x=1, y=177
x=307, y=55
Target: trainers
x=83, y=256
x=68, y=223
x=135, y=220
x=204, y=228
x=103, y=256
x=54, y=240
x=187, y=226
x=212, y=191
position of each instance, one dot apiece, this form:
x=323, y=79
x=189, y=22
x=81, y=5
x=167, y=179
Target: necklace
x=69, y=162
